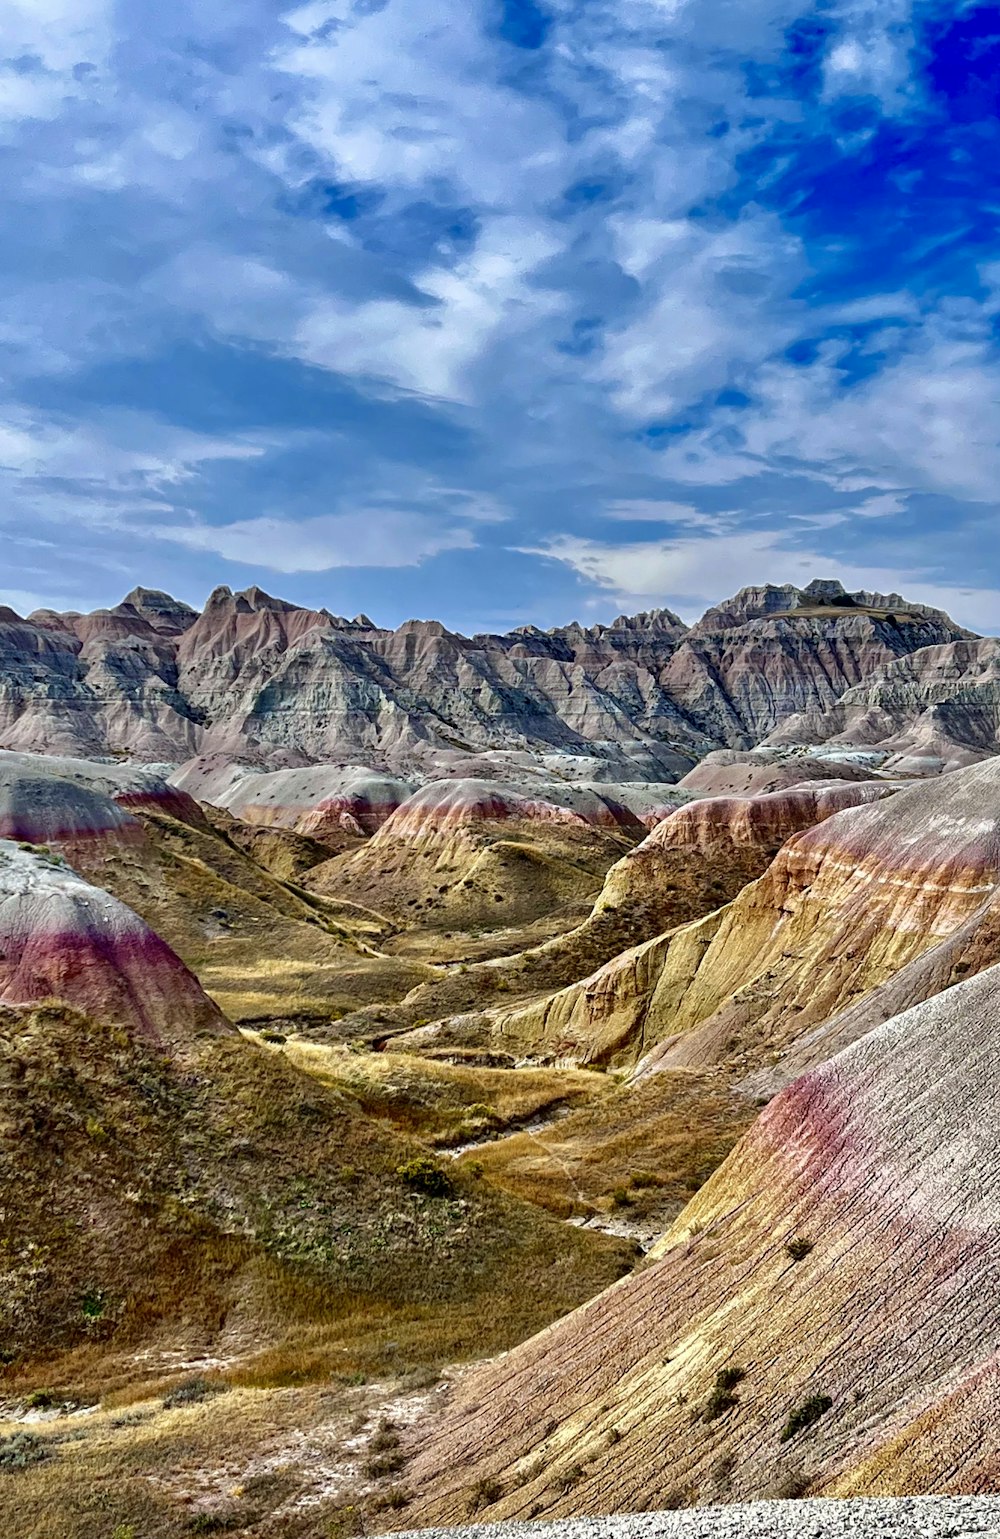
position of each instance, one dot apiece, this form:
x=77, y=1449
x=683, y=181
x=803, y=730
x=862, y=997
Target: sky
x=499, y=311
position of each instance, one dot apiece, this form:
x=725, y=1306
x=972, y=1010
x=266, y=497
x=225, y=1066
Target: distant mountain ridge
x=275, y=684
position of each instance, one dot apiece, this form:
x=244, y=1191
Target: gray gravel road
x=908, y=1517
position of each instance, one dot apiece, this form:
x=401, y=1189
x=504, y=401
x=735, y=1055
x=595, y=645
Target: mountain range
x=644, y=698
x=508, y=1077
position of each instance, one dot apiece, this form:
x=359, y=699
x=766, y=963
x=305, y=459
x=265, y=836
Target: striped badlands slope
x=843, y=907
x=822, y=1317
x=62, y=938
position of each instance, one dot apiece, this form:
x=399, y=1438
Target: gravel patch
x=905, y=1517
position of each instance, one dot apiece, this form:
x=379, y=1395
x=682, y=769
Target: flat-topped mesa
x=62, y=938
x=757, y=1346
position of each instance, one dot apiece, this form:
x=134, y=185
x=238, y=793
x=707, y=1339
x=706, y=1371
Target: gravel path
x=907, y=1517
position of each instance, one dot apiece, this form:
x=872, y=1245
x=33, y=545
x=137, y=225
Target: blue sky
x=500, y=310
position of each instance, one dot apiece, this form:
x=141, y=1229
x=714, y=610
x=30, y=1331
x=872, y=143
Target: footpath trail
x=907, y=1517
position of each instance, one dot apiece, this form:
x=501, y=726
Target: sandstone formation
x=765, y=957
x=929, y=712
x=821, y=1317
x=263, y=681
x=261, y=947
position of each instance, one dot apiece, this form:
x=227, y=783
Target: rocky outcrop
x=774, y=652
x=928, y=712
x=274, y=685
x=820, y=1318
x=781, y=952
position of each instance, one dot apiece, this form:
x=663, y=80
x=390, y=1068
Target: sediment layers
x=821, y=1317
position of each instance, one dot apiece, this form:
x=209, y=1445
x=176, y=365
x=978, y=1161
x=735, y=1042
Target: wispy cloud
x=275, y=276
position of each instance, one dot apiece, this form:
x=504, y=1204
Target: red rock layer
x=62, y=938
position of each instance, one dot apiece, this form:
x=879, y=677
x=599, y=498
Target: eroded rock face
x=259, y=680
x=871, y=1179
x=931, y=711
x=473, y=851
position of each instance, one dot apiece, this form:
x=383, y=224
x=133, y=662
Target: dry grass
x=228, y=1205
x=265, y=1462
x=651, y=1144
x=443, y=1103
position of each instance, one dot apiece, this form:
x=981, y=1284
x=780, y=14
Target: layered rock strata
x=821, y=1315
x=255, y=678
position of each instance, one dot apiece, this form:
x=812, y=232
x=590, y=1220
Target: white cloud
x=370, y=537
x=694, y=573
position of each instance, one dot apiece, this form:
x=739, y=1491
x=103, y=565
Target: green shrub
x=190, y=1392
x=41, y=1400
x=21, y=1451
x=799, y=1248
x=425, y=1175
x=722, y=1398
x=806, y=1415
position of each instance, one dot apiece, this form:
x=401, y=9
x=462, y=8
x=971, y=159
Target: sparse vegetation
x=722, y=1398
x=799, y=1248
x=806, y=1415
x=21, y=1450
x=484, y=1493
x=190, y=1392
x=426, y=1175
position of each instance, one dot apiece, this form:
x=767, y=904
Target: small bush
x=614, y=1435
x=41, y=1400
x=386, y=1437
x=273, y=1036
x=190, y=1392
x=92, y=1305
x=791, y=1487
x=644, y=1178
x=424, y=1175
x=722, y=1398
x=385, y=1464
x=392, y=1500
x=570, y=1477
x=484, y=1493
x=799, y=1248
x=21, y=1451
x=621, y=1197
x=806, y=1415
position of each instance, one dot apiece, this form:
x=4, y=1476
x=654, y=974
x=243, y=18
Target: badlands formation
x=484, y=1079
